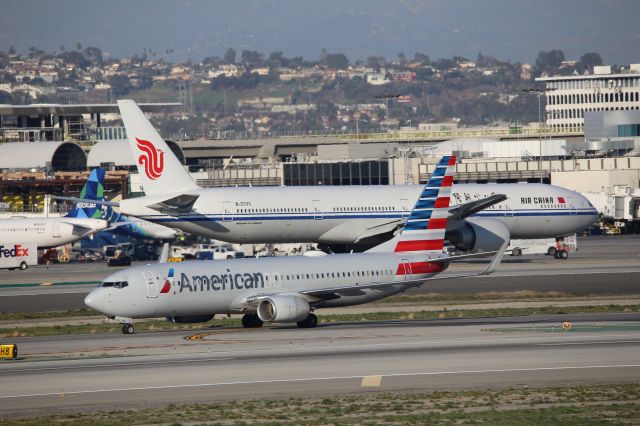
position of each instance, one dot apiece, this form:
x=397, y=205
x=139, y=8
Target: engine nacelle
x=479, y=235
x=283, y=309
x=191, y=319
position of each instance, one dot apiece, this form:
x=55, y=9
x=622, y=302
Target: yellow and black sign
x=175, y=259
x=8, y=351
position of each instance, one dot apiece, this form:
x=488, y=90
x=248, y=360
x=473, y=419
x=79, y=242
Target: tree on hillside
x=588, y=61
x=252, y=58
x=337, y=61
x=230, y=56
x=548, y=62
x=422, y=58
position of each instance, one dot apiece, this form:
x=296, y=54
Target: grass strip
x=157, y=325
x=608, y=404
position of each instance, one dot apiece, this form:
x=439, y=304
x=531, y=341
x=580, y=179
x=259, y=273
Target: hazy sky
x=508, y=29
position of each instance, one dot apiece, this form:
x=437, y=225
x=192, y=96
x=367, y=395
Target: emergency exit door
x=152, y=286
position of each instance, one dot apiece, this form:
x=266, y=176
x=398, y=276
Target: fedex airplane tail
x=426, y=225
x=159, y=168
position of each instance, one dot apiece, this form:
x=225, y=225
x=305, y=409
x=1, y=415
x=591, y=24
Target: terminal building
x=569, y=98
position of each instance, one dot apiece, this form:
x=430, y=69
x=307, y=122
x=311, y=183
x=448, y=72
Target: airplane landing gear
x=251, y=321
x=128, y=329
x=310, y=321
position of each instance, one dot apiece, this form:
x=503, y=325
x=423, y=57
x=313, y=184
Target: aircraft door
x=56, y=230
x=317, y=210
x=227, y=212
x=406, y=265
x=152, y=287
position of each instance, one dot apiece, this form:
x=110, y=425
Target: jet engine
x=191, y=319
x=479, y=235
x=283, y=309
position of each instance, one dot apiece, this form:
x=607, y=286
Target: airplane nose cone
x=90, y=301
x=95, y=301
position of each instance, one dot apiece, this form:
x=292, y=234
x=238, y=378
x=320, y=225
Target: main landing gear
x=310, y=321
x=251, y=321
x=128, y=329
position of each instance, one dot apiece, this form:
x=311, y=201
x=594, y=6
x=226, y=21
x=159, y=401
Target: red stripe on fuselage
x=419, y=245
x=419, y=268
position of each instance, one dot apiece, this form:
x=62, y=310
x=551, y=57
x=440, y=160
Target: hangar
x=51, y=156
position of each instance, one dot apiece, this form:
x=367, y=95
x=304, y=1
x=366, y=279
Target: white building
x=568, y=97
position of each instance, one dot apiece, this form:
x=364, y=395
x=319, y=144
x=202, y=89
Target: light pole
x=539, y=92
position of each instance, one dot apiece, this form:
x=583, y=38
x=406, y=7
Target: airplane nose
x=95, y=301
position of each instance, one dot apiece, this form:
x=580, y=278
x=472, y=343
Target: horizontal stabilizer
x=468, y=209
x=181, y=204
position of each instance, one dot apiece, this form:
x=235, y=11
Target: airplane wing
x=329, y=293
x=181, y=204
x=465, y=210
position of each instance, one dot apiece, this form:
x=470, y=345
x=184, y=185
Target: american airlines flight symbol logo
x=151, y=158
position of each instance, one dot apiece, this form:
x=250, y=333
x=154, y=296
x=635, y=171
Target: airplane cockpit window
x=116, y=284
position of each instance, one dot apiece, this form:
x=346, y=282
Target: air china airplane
x=339, y=218
x=288, y=289
x=46, y=232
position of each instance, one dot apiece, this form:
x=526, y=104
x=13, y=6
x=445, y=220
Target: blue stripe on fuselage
x=332, y=215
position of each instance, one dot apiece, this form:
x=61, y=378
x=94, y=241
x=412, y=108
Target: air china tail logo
x=152, y=159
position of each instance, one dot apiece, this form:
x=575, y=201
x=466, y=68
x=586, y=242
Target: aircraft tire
x=128, y=329
x=311, y=321
x=251, y=321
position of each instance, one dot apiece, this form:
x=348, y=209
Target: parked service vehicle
x=119, y=254
x=18, y=256
x=213, y=252
x=559, y=248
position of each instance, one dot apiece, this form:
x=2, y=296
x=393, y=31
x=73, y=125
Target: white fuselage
x=48, y=231
x=347, y=214
x=223, y=286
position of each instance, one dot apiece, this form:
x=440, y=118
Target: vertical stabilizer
x=159, y=168
x=425, y=228
x=93, y=190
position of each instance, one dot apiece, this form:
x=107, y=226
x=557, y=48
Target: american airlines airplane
x=288, y=289
x=46, y=232
x=339, y=218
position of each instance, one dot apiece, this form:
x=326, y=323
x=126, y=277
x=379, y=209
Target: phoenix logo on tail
x=152, y=159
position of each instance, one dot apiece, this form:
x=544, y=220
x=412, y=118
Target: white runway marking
x=310, y=379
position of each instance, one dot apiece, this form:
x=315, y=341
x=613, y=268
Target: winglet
x=425, y=228
x=495, y=262
x=164, y=254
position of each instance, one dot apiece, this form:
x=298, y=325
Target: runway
x=603, y=265
x=118, y=371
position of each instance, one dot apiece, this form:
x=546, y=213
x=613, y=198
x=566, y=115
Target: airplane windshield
x=115, y=284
